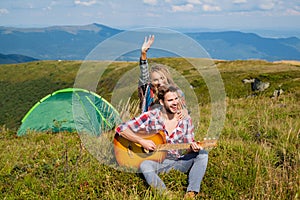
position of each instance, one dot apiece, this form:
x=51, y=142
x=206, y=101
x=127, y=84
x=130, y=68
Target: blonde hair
x=163, y=70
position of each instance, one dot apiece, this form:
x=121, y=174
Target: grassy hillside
x=257, y=156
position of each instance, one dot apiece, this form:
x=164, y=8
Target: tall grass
x=257, y=156
x=262, y=145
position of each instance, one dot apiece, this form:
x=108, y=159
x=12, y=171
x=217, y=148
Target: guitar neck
x=204, y=144
x=165, y=147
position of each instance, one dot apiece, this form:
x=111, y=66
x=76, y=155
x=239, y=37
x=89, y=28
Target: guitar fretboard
x=204, y=144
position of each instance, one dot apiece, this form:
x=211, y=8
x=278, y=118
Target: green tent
x=70, y=109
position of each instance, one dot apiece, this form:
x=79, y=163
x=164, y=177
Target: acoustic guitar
x=131, y=154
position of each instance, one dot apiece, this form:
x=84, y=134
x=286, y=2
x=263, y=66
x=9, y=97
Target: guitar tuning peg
x=205, y=138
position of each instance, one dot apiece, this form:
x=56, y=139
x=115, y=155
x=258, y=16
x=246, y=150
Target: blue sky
x=277, y=15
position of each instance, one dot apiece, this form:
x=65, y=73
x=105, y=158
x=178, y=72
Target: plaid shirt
x=152, y=121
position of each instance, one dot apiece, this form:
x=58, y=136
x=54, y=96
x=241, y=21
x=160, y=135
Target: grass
x=257, y=156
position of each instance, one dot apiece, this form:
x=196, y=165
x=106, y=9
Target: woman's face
x=158, y=79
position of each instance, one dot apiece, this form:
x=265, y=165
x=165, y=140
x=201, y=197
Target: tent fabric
x=70, y=109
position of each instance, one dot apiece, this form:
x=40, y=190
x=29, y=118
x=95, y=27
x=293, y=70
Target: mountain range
x=76, y=42
x=15, y=58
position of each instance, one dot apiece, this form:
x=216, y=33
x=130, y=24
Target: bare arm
x=130, y=135
x=194, y=147
x=144, y=71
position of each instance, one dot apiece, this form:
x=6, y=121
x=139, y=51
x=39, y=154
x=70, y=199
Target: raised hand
x=146, y=45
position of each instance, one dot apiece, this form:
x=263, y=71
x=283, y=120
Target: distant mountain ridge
x=15, y=58
x=76, y=42
x=234, y=45
x=53, y=43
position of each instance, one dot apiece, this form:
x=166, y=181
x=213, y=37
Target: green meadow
x=257, y=156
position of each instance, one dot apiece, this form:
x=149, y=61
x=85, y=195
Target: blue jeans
x=194, y=163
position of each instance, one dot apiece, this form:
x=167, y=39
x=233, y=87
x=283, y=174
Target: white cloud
x=239, y=1
x=121, y=13
x=50, y=6
x=292, y=12
x=3, y=11
x=267, y=6
x=150, y=2
x=196, y=2
x=85, y=3
x=209, y=8
x=183, y=8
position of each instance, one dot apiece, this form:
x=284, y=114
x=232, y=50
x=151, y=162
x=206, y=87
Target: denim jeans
x=194, y=163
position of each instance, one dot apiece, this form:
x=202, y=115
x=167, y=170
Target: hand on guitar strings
x=148, y=144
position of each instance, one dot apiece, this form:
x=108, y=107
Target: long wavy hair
x=162, y=70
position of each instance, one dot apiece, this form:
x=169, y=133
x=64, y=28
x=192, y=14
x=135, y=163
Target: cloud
x=209, y=8
x=293, y=12
x=196, y=2
x=85, y=3
x=239, y=1
x=50, y=6
x=183, y=8
x=267, y=6
x=3, y=11
x=150, y=2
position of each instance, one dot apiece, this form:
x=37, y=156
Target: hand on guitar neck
x=196, y=147
x=132, y=153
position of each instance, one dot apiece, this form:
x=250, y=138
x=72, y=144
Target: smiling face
x=170, y=102
x=158, y=79
x=160, y=75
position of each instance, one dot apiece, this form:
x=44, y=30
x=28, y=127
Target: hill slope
x=256, y=157
x=22, y=85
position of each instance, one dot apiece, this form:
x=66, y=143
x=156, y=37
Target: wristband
x=143, y=62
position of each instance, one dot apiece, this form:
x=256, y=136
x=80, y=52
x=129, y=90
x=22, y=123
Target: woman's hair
x=162, y=69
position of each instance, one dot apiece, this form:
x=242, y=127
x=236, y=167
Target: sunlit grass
x=257, y=156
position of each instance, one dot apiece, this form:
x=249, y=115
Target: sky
x=279, y=16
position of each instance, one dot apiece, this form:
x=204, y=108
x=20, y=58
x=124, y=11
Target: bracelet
x=143, y=62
